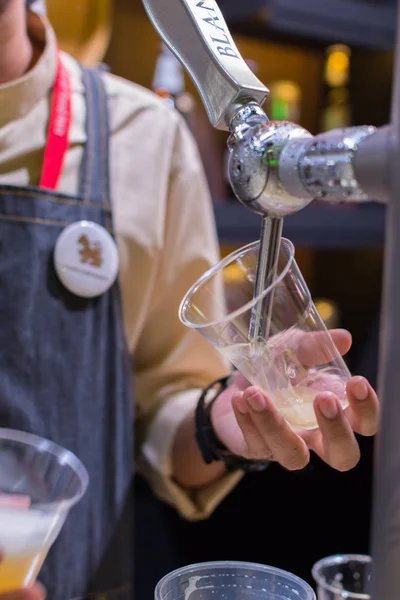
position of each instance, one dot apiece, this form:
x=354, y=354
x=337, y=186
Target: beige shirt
x=166, y=239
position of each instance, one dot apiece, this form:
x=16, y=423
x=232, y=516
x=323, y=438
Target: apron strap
x=95, y=185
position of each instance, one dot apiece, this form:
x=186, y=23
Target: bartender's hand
x=255, y=428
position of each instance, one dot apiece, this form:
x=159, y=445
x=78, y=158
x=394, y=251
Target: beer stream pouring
x=278, y=168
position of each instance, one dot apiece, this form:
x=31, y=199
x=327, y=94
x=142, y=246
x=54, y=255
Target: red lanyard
x=59, y=126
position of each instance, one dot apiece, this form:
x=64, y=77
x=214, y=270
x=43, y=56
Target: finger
x=363, y=412
x=286, y=446
x=254, y=447
x=342, y=340
x=35, y=592
x=336, y=443
x=315, y=348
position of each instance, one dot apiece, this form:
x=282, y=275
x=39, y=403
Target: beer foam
x=22, y=531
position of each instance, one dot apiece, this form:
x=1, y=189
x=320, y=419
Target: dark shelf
x=237, y=9
x=323, y=227
x=355, y=22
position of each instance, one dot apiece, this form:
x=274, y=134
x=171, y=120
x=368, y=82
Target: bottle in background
x=169, y=83
x=336, y=112
x=285, y=101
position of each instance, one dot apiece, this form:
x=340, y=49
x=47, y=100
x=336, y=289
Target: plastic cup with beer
x=39, y=483
x=296, y=359
x=231, y=580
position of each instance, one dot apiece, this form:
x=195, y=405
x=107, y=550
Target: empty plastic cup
x=232, y=581
x=39, y=483
x=343, y=576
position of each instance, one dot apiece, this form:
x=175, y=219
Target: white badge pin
x=86, y=259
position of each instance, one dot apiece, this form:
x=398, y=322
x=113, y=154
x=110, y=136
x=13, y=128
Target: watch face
x=237, y=463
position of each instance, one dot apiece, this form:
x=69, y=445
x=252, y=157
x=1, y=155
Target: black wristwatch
x=211, y=448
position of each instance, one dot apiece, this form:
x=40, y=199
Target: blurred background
x=328, y=64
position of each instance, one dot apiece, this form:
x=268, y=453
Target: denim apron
x=65, y=373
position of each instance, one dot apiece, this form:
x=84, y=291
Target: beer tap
x=277, y=169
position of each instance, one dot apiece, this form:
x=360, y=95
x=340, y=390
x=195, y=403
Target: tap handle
x=196, y=32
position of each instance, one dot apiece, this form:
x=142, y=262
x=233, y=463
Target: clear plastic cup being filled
x=232, y=581
x=297, y=358
x=343, y=576
x=39, y=483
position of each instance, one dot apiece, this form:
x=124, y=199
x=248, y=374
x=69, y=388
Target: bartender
x=105, y=222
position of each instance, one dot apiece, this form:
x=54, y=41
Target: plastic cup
x=297, y=361
x=232, y=581
x=39, y=483
x=343, y=576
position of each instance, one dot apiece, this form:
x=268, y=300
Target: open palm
x=247, y=422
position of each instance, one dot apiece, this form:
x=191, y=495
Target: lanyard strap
x=59, y=126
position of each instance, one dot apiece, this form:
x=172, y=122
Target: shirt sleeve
x=174, y=363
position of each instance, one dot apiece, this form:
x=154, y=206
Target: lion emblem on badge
x=91, y=254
